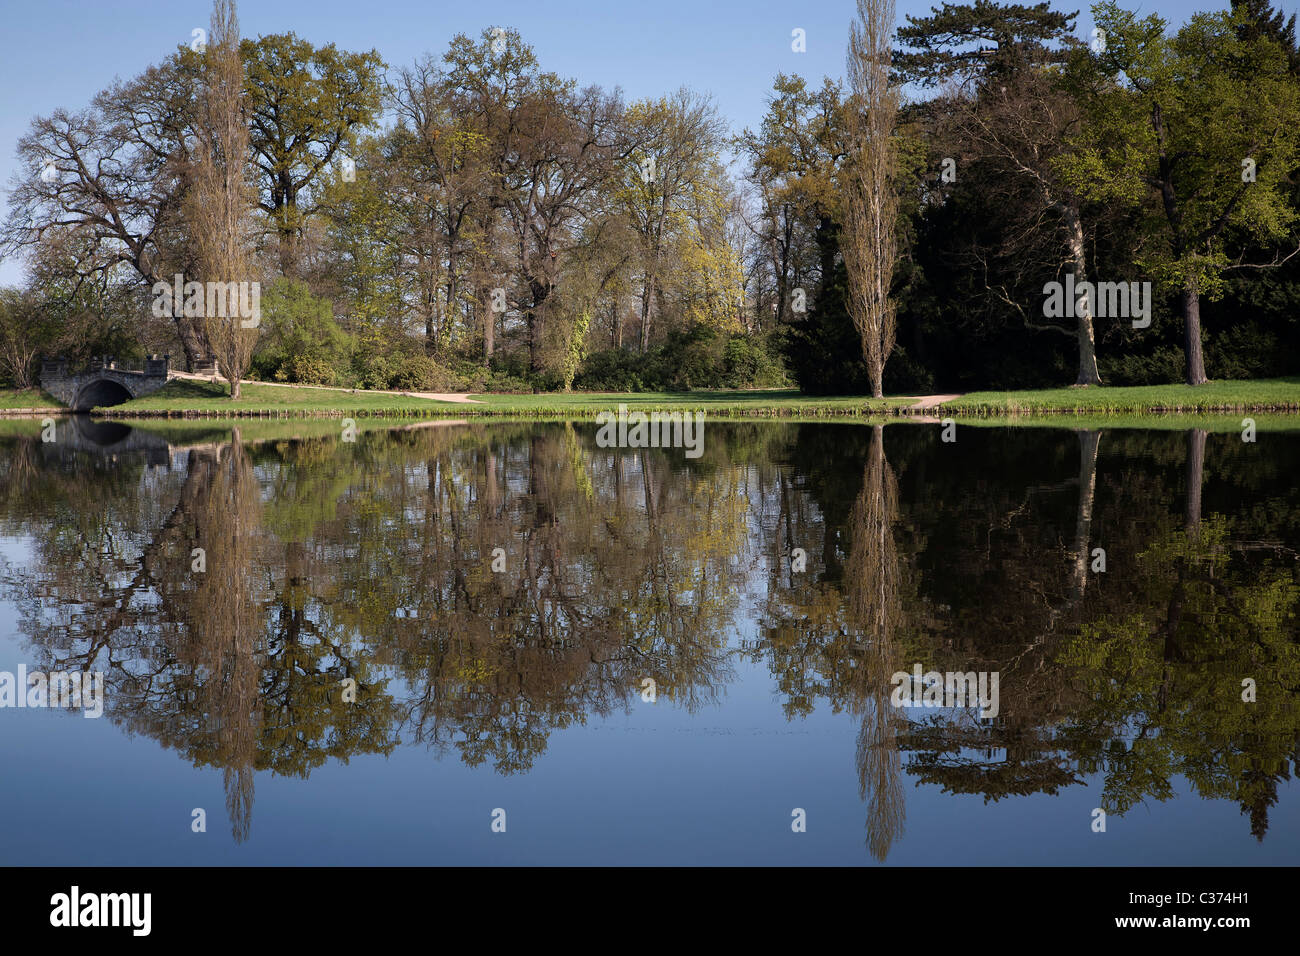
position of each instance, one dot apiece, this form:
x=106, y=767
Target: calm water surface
x=770, y=589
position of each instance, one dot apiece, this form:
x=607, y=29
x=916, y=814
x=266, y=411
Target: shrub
x=1245, y=351
x=699, y=357
x=300, y=341
x=752, y=362
x=413, y=373
x=1163, y=366
x=612, y=370
x=310, y=370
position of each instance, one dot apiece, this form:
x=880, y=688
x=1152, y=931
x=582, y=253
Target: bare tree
x=437, y=161
x=109, y=181
x=221, y=200
x=1020, y=129
x=868, y=241
x=681, y=137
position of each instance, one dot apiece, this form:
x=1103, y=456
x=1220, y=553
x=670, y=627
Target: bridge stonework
x=104, y=384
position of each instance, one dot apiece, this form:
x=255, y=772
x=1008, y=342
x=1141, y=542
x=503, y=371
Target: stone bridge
x=103, y=383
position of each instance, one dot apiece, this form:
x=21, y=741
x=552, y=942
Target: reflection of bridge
x=80, y=435
x=102, y=383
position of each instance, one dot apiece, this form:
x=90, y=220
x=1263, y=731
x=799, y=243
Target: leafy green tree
x=306, y=104
x=1197, y=131
x=970, y=41
x=1261, y=20
x=793, y=159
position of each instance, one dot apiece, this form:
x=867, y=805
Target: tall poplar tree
x=868, y=239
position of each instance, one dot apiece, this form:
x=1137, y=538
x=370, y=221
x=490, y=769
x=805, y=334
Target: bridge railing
x=155, y=366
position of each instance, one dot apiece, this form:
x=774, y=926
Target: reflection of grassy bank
x=178, y=431
x=185, y=395
x=1209, y=421
x=189, y=431
x=192, y=432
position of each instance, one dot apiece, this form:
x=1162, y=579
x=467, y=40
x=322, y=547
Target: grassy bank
x=12, y=399
x=1264, y=395
x=181, y=398
x=186, y=398
x=716, y=404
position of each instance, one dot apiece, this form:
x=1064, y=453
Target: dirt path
x=930, y=401
x=459, y=398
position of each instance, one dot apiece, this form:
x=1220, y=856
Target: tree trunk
x=1195, y=473
x=286, y=203
x=288, y=252
x=193, y=337
x=783, y=272
x=826, y=249
x=1089, y=443
x=646, y=295
x=192, y=341
x=1088, y=374
x=536, y=322
x=453, y=290
x=491, y=491
x=1191, y=304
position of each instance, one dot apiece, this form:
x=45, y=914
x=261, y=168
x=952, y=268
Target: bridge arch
x=99, y=434
x=100, y=392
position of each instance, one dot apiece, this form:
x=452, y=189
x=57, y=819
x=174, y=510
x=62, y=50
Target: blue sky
x=59, y=53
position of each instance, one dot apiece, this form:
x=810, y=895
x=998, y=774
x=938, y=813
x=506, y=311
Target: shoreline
x=202, y=400
x=930, y=414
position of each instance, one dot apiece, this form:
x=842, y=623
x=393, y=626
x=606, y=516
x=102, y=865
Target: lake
x=814, y=643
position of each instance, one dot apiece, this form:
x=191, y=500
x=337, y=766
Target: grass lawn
x=25, y=398
x=719, y=403
x=204, y=399
x=187, y=395
x=1278, y=394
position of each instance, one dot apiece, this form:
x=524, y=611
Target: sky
x=59, y=53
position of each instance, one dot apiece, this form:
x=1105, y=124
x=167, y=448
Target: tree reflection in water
x=372, y=561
